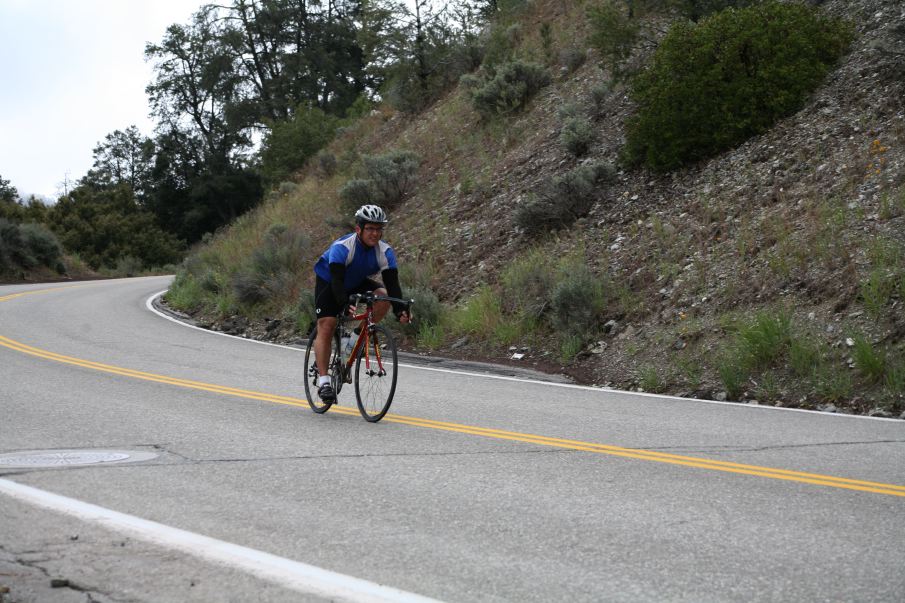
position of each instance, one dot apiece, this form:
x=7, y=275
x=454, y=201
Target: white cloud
x=72, y=72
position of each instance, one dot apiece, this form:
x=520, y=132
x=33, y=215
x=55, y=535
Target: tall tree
x=198, y=87
x=123, y=157
x=8, y=192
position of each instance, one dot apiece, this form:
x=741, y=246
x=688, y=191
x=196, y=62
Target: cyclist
x=354, y=263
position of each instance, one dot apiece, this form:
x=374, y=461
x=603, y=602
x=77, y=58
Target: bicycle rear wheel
x=334, y=370
x=375, y=375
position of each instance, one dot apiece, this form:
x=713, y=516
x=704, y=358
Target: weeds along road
x=143, y=460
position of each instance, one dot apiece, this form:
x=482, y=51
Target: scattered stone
x=880, y=412
x=679, y=344
x=610, y=326
x=517, y=356
x=849, y=342
x=827, y=408
x=720, y=396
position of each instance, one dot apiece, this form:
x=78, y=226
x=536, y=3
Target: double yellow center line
x=577, y=445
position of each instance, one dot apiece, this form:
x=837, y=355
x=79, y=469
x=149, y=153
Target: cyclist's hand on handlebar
x=404, y=317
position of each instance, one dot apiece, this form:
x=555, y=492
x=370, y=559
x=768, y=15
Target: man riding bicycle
x=354, y=263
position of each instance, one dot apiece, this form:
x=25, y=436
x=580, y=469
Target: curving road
x=209, y=479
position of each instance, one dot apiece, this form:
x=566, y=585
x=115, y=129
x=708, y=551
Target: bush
x=28, y=246
x=712, y=85
x=613, y=33
x=290, y=143
x=326, y=163
x=577, y=136
x=426, y=312
x=576, y=302
x=386, y=180
x=392, y=175
x=564, y=200
x=509, y=88
x=273, y=267
x=528, y=284
x=355, y=193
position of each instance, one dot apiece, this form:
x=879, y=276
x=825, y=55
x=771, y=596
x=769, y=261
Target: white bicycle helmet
x=371, y=214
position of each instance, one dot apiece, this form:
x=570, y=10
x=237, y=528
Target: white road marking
x=150, y=306
x=283, y=572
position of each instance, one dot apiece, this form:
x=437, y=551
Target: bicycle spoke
x=375, y=375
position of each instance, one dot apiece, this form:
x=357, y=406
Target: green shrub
x=273, y=268
x=564, y=200
x=733, y=372
x=24, y=247
x=326, y=163
x=528, y=284
x=572, y=58
x=804, y=357
x=613, y=33
x=870, y=363
x=128, y=266
x=577, y=136
x=386, y=180
x=576, y=302
x=289, y=144
x=426, y=311
x=355, y=193
x=711, y=85
x=509, y=88
x=766, y=339
x=392, y=175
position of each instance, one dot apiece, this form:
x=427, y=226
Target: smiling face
x=370, y=234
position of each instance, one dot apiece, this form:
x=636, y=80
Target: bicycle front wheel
x=375, y=375
x=334, y=370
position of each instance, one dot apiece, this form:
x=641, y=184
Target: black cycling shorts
x=324, y=302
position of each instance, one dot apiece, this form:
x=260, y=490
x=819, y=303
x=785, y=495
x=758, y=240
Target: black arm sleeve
x=337, y=278
x=394, y=289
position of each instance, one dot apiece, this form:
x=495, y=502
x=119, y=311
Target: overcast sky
x=71, y=72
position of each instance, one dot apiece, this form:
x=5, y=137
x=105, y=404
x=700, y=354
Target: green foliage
x=9, y=195
x=733, y=373
x=386, y=180
x=508, y=87
x=427, y=311
x=650, y=380
x=564, y=200
x=577, y=136
x=102, y=226
x=765, y=340
x=24, y=247
x=804, y=356
x=355, y=193
x=613, y=33
x=289, y=144
x=326, y=163
x=274, y=267
x=712, y=85
x=576, y=301
x=503, y=42
x=870, y=363
x=528, y=283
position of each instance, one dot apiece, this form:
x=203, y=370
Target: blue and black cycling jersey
x=352, y=263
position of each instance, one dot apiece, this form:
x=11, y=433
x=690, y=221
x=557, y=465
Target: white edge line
x=284, y=572
x=150, y=306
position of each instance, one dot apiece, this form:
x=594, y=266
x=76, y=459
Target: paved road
x=473, y=489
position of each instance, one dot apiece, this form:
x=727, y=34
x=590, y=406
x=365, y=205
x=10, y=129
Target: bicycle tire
x=374, y=389
x=334, y=370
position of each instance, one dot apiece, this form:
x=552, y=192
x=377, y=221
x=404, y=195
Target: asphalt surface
x=474, y=488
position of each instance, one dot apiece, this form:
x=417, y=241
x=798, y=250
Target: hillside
x=805, y=223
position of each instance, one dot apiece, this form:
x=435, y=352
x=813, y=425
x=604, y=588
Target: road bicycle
x=371, y=361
